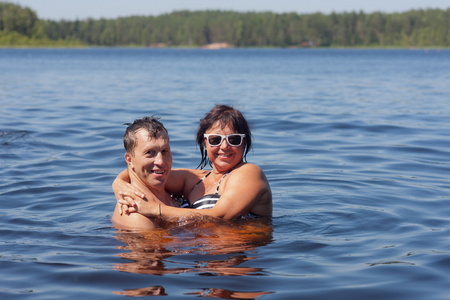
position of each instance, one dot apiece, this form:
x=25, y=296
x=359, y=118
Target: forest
x=21, y=27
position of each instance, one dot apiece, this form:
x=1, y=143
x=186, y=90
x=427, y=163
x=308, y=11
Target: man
x=149, y=162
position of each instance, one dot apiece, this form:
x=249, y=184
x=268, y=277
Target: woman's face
x=224, y=156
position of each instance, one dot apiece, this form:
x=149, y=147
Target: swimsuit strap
x=218, y=185
x=201, y=180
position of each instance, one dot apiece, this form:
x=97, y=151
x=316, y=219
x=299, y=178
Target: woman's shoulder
x=189, y=177
x=189, y=173
x=182, y=180
x=248, y=172
x=249, y=180
x=248, y=168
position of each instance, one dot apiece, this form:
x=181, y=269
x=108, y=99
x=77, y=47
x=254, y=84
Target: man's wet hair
x=152, y=125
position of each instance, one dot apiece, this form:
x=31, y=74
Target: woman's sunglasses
x=215, y=140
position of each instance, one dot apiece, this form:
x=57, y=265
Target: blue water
x=355, y=144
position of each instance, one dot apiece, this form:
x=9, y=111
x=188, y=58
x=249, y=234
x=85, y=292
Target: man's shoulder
x=131, y=221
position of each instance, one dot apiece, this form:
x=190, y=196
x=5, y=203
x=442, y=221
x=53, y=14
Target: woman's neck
x=216, y=172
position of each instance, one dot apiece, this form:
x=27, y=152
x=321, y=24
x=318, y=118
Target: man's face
x=152, y=159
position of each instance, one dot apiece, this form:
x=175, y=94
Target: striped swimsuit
x=208, y=201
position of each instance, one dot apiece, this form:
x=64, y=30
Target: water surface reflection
x=204, y=247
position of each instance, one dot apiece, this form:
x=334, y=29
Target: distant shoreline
x=215, y=30
x=207, y=49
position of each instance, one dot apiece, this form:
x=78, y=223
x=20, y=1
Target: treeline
x=415, y=28
x=20, y=26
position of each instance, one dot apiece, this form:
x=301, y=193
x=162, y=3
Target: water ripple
x=353, y=142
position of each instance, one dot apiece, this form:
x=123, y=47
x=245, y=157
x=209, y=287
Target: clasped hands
x=132, y=200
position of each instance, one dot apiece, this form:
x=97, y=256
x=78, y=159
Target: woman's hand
x=144, y=206
x=128, y=199
x=126, y=194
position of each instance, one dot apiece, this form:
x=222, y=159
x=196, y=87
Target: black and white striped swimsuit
x=208, y=201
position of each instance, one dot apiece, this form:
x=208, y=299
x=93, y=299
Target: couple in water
x=149, y=191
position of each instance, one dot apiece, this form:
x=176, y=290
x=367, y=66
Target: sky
x=111, y=9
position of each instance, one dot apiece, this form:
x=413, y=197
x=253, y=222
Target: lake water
x=355, y=144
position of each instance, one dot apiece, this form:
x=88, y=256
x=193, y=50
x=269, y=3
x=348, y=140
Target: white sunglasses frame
x=207, y=135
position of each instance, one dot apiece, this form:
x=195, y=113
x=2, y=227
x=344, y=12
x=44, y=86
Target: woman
x=232, y=189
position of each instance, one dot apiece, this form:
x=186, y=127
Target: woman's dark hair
x=226, y=116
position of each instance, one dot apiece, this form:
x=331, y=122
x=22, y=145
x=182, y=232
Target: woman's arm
x=180, y=182
x=125, y=193
x=246, y=189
